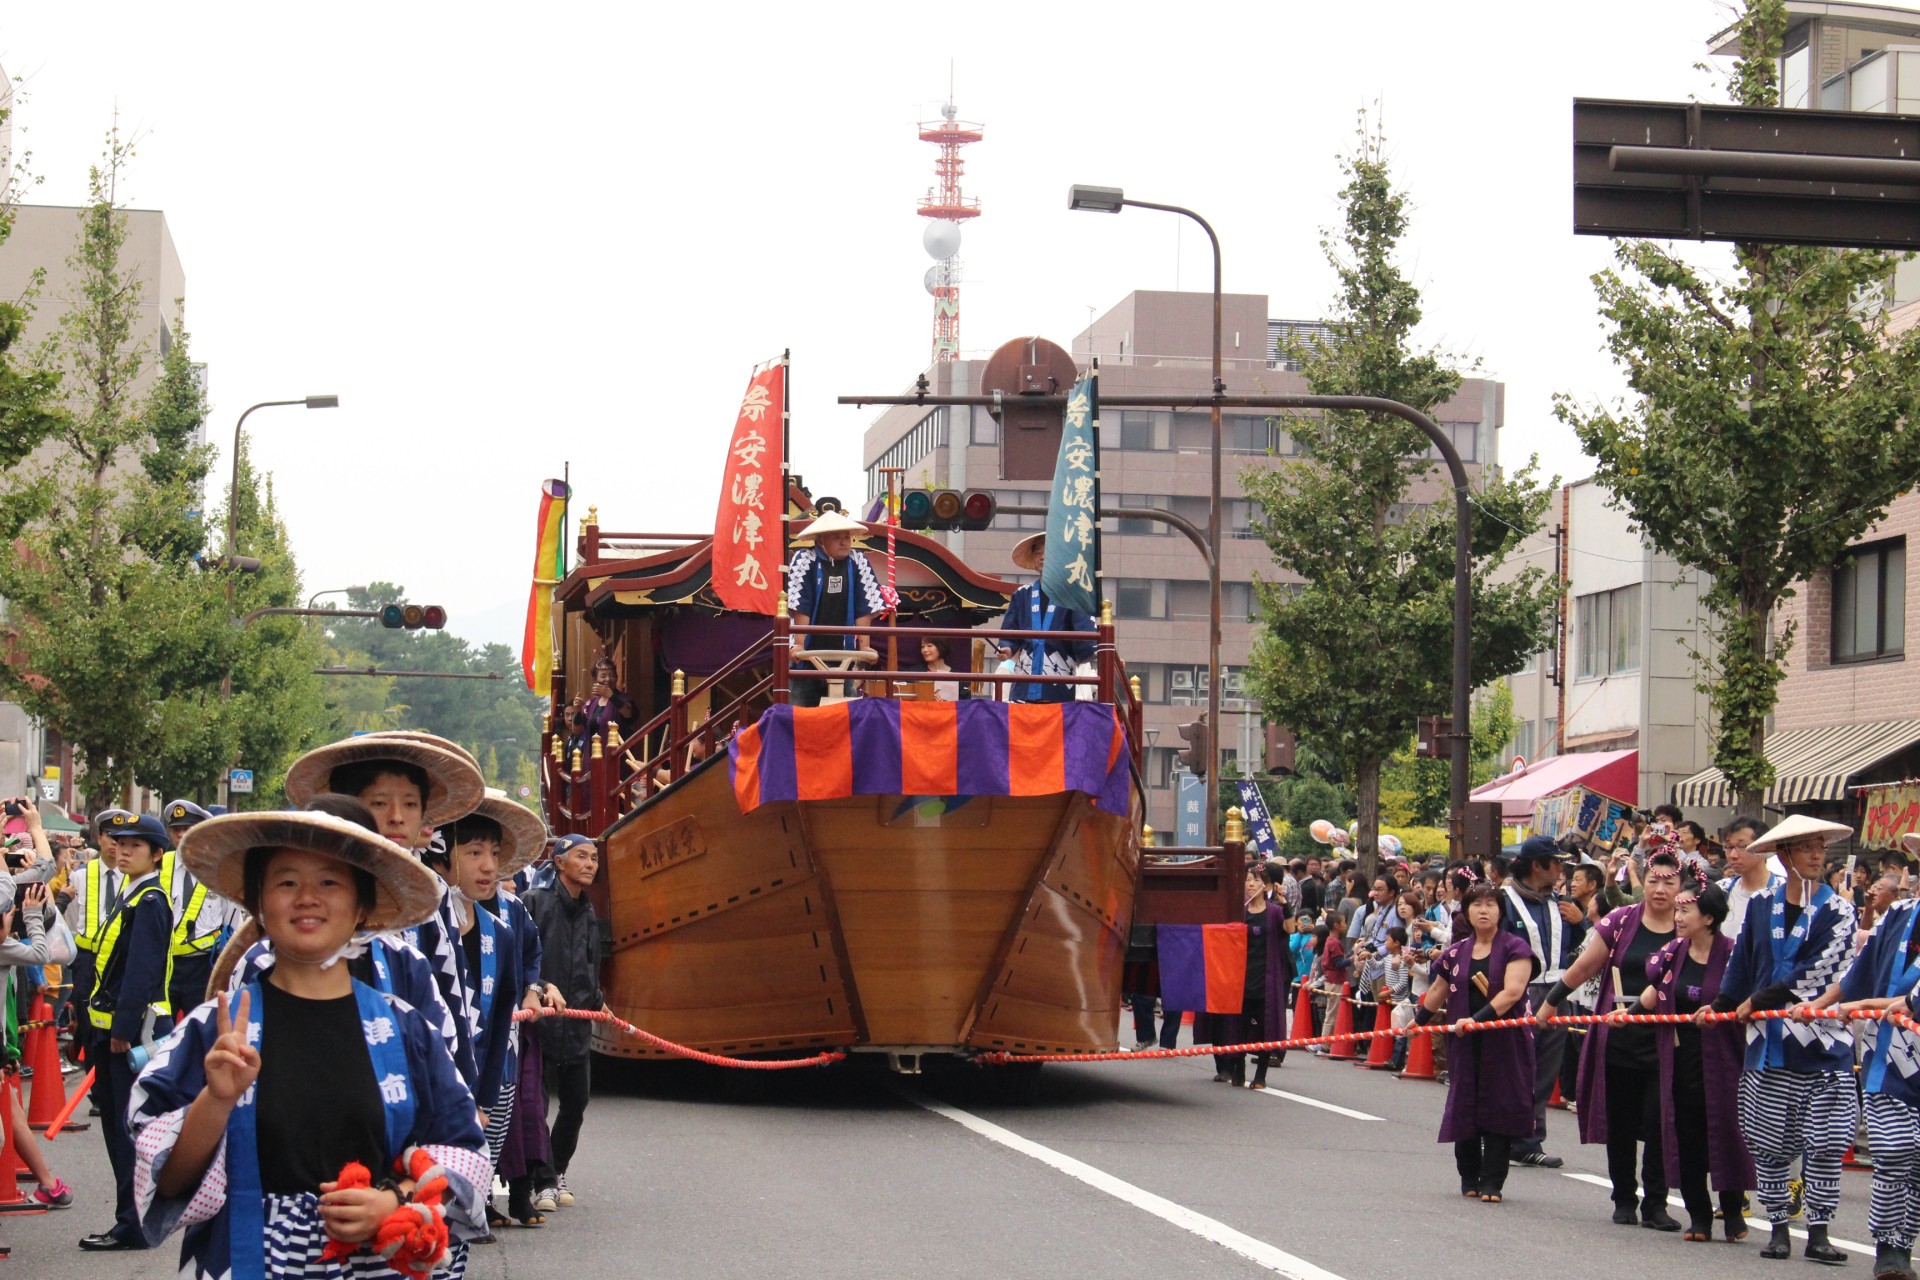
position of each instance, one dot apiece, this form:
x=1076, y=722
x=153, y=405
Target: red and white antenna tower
x=949, y=208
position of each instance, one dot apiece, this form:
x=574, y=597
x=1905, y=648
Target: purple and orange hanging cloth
x=1203, y=967
x=884, y=747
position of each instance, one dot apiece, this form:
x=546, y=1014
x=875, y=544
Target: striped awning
x=1808, y=764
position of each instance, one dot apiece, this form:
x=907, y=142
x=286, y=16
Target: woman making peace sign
x=287, y=1126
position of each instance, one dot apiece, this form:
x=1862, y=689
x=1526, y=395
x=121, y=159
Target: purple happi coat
x=1722, y=1049
x=1616, y=929
x=1490, y=1091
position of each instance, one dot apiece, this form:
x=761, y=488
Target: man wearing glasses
x=1797, y=1096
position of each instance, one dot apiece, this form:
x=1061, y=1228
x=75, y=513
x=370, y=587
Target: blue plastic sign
x=240, y=781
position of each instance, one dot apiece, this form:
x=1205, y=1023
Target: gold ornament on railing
x=1106, y=613
x=546, y=722
x=1146, y=837
x=576, y=759
x=780, y=605
x=1235, y=831
x=559, y=749
x=593, y=516
x=679, y=684
x=1133, y=684
x=614, y=740
x=596, y=748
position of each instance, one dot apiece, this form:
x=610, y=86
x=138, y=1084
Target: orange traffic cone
x=1303, y=1026
x=1419, y=1058
x=1342, y=1050
x=1556, y=1100
x=1380, y=1051
x=12, y=1199
x=40, y=1051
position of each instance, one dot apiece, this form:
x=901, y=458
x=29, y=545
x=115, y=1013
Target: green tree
x=110, y=618
x=1351, y=659
x=1768, y=430
x=1308, y=800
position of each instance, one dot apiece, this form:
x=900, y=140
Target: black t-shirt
x=1480, y=991
x=318, y=1105
x=1633, y=1046
x=1257, y=942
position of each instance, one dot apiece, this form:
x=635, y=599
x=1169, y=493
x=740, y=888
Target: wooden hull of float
x=868, y=922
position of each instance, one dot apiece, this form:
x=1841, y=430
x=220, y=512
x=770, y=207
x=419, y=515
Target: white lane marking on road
x=1755, y=1224
x=1259, y=1251
x=1272, y=1092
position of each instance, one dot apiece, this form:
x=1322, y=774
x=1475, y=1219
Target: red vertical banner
x=747, y=551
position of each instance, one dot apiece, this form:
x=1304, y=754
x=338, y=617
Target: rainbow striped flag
x=549, y=568
x=881, y=746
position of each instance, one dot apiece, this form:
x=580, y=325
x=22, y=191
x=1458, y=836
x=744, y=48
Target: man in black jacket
x=570, y=960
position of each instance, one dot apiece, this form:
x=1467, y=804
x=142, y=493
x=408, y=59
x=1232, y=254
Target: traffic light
x=1282, y=751
x=1199, y=741
x=1432, y=736
x=946, y=509
x=413, y=617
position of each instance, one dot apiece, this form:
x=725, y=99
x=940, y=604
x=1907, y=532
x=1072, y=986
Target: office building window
x=985, y=429
x=1870, y=603
x=1136, y=528
x=1609, y=624
x=1139, y=597
x=1236, y=601
x=1142, y=429
x=1522, y=744
x=1549, y=736
x=1241, y=434
x=1036, y=498
x=1159, y=767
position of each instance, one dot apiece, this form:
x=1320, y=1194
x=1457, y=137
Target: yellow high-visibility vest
x=93, y=907
x=183, y=943
x=103, y=1021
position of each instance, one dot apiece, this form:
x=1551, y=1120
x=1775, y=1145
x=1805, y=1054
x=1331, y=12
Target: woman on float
x=1481, y=978
x=225, y=1114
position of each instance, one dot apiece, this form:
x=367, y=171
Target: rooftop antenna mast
x=948, y=208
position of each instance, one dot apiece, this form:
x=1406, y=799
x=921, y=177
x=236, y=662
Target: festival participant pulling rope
x=1266, y=1046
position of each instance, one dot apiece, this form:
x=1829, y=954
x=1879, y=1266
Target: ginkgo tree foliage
x=1766, y=430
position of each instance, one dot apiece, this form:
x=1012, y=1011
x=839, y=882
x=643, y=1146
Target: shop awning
x=1612, y=773
x=1809, y=765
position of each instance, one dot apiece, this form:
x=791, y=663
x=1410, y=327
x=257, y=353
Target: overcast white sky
x=514, y=236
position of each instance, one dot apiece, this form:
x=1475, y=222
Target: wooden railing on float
x=587, y=794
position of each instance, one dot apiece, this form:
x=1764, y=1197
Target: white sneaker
x=562, y=1196
x=544, y=1200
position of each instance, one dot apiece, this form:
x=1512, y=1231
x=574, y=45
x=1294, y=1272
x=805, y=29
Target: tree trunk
x=1367, y=791
x=1747, y=800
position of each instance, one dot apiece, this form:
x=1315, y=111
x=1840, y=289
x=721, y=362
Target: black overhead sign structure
x=1680, y=170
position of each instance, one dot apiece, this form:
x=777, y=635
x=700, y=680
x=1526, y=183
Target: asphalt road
x=1141, y=1169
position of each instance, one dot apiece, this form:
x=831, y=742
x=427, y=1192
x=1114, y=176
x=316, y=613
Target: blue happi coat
x=520, y=969
x=1885, y=967
x=1030, y=610
x=1799, y=962
x=233, y=1229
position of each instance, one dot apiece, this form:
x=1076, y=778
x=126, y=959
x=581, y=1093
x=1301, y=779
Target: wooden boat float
x=891, y=873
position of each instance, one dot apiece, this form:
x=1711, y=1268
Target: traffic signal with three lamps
x=946, y=509
x=413, y=616
x=1193, y=756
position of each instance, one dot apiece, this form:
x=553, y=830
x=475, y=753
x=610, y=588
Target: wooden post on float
x=677, y=728
x=1106, y=659
x=782, y=648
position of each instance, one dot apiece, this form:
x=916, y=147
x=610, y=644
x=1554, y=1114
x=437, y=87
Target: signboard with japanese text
x=1887, y=813
x=748, y=550
x=240, y=781
x=1072, y=563
x=1191, y=798
x=1600, y=818
x=1259, y=820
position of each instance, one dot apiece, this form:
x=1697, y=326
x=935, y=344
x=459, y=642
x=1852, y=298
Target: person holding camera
x=27, y=921
x=604, y=705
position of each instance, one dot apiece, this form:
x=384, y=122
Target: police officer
x=95, y=887
x=198, y=919
x=128, y=1010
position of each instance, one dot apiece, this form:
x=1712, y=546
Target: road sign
x=240, y=781
x=1785, y=175
x=1191, y=829
x=526, y=792
x=49, y=789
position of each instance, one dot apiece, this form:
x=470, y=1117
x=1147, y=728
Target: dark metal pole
x=1213, y=530
x=417, y=675
x=1462, y=541
x=1708, y=163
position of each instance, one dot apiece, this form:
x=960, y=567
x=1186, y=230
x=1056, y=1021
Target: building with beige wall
x=1157, y=343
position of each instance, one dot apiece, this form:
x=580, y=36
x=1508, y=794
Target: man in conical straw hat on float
x=310, y=1122
x=829, y=584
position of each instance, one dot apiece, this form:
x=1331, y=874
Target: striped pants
x=499, y=1120
x=1805, y=1116
x=1893, y=1127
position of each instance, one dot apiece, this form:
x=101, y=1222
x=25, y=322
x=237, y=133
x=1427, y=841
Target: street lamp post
x=331, y=591
x=233, y=486
x=1113, y=200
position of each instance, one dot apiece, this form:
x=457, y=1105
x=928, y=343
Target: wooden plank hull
x=871, y=922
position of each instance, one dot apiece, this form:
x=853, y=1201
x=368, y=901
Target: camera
x=15, y=809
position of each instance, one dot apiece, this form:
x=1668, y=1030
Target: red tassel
x=354, y=1175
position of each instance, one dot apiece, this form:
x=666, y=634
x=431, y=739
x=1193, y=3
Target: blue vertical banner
x=1069, y=576
x=1192, y=807
x=1259, y=820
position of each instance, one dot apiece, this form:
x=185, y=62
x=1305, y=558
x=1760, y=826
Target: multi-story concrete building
x=1158, y=343
x=1622, y=676
x=1848, y=717
x=43, y=239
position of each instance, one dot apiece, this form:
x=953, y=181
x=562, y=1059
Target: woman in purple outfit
x=1481, y=978
x=1699, y=1066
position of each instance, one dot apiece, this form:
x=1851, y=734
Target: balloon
x=1390, y=846
x=1321, y=830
